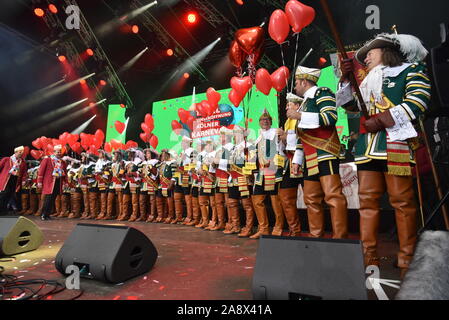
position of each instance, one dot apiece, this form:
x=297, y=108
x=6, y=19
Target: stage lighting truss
x=90, y=40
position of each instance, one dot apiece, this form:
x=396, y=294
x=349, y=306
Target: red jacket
x=46, y=178
x=5, y=166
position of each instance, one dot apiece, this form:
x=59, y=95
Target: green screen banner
x=115, y=113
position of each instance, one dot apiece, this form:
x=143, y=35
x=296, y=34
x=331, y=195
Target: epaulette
x=320, y=90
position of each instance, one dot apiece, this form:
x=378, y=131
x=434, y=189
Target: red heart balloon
x=263, y=81
x=144, y=137
x=309, y=14
x=236, y=55
x=154, y=141
x=131, y=144
x=176, y=126
x=213, y=96
x=144, y=127
x=183, y=115
x=241, y=85
x=295, y=14
x=116, y=144
x=278, y=27
x=207, y=108
x=36, y=154
x=249, y=39
x=99, y=135
x=279, y=78
x=37, y=143
x=108, y=147
x=235, y=97
x=119, y=126
x=149, y=120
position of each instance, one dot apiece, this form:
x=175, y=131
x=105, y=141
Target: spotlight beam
x=40, y=96
x=83, y=126
x=131, y=62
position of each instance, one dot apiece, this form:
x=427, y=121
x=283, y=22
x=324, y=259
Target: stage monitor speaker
x=290, y=268
x=17, y=235
x=428, y=274
x=107, y=253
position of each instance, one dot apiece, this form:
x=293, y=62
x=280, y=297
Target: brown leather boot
x=75, y=205
x=93, y=199
x=160, y=209
x=152, y=208
x=143, y=199
x=402, y=199
x=214, y=219
x=170, y=203
x=86, y=212
x=33, y=204
x=189, y=216
x=179, y=208
x=279, y=215
x=24, y=197
x=135, y=207
x=57, y=207
x=249, y=213
x=118, y=202
x=204, y=203
x=110, y=206
x=262, y=216
x=313, y=199
x=126, y=201
x=221, y=213
x=196, y=212
x=103, y=205
x=371, y=189
x=288, y=199
x=233, y=208
x=338, y=206
x=40, y=197
x=65, y=199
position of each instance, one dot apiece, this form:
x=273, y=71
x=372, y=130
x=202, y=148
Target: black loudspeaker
x=440, y=73
x=17, y=235
x=428, y=275
x=309, y=269
x=107, y=253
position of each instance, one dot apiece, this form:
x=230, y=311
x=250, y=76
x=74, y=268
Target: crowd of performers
x=206, y=184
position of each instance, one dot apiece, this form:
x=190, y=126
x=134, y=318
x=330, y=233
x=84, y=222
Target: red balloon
x=213, y=96
x=149, y=120
x=93, y=150
x=108, y=147
x=37, y=143
x=279, y=78
x=144, y=137
x=183, y=115
x=236, y=55
x=295, y=12
x=154, y=141
x=76, y=147
x=37, y=154
x=309, y=15
x=131, y=144
x=115, y=144
x=249, y=39
x=144, y=127
x=119, y=126
x=99, y=135
x=235, y=97
x=97, y=143
x=263, y=81
x=26, y=151
x=207, y=108
x=241, y=85
x=176, y=126
x=278, y=27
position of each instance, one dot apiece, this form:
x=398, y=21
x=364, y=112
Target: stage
x=193, y=264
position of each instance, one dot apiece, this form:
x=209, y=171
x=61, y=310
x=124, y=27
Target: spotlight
x=122, y=105
x=186, y=75
x=82, y=82
x=53, y=8
x=191, y=17
x=91, y=104
x=322, y=61
x=62, y=58
x=39, y=12
x=103, y=83
x=90, y=52
x=135, y=29
x=169, y=52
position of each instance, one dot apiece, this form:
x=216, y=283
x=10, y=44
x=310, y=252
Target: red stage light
x=322, y=61
x=135, y=29
x=169, y=52
x=61, y=58
x=239, y=2
x=191, y=17
x=91, y=104
x=122, y=105
x=186, y=75
x=53, y=8
x=90, y=52
x=103, y=83
x=82, y=81
x=39, y=12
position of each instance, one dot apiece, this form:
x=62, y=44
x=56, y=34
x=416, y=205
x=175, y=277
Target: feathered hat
x=409, y=46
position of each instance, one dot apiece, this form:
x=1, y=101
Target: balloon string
x=294, y=62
